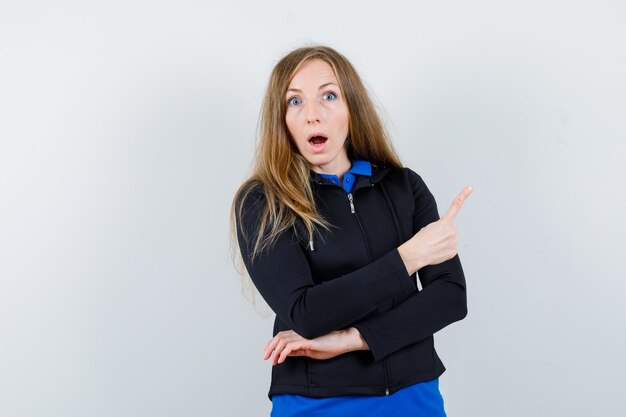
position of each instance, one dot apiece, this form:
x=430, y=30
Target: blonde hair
x=279, y=168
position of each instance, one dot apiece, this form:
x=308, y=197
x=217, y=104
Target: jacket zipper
x=353, y=211
x=386, y=377
x=369, y=257
x=351, y=203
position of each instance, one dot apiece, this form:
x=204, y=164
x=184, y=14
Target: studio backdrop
x=126, y=128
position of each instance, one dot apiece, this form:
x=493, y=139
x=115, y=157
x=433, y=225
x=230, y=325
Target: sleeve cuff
x=371, y=341
x=401, y=274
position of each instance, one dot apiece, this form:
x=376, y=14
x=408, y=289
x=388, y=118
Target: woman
x=332, y=230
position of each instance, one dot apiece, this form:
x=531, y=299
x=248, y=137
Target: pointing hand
x=457, y=204
x=436, y=242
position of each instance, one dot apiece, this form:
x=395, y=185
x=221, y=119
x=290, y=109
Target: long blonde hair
x=279, y=168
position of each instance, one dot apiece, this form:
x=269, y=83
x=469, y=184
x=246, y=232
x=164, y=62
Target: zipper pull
x=351, y=202
x=311, y=245
x=386, y=391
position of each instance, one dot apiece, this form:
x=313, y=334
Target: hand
x=289, y=343
x=436, y=242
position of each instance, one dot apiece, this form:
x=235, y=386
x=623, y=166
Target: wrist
x=354, y=340
x=411, y=262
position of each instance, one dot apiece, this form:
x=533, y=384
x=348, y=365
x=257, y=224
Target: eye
x=294, y=101
x=330, y=96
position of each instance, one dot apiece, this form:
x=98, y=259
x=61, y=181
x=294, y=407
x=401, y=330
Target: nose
x=312, y=113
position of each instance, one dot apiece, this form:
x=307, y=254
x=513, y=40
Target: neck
x=337, y=167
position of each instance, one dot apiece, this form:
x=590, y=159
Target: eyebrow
x=321, y=86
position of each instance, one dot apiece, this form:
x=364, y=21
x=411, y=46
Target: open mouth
x=318, y=140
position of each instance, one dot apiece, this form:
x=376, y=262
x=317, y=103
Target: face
x=318, y=118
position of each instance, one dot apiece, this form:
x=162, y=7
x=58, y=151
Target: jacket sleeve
x=441, y=302
x=283, y=278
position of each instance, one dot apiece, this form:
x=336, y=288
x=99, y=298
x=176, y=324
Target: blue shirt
x=359, y=167
x=422, y=399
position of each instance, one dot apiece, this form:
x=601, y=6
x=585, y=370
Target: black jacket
x=354, y=276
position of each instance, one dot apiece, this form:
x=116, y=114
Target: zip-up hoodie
x=353, y=276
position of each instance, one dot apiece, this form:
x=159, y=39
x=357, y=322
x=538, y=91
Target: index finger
x=457, y=203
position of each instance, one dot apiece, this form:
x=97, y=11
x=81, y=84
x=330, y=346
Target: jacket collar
x=377, y=173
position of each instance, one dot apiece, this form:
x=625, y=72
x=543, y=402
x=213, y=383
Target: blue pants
x=422, y=399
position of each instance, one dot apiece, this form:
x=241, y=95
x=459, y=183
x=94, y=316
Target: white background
x=126, y=127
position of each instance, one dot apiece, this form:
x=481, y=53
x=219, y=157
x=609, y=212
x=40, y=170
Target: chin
x=318, y=159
